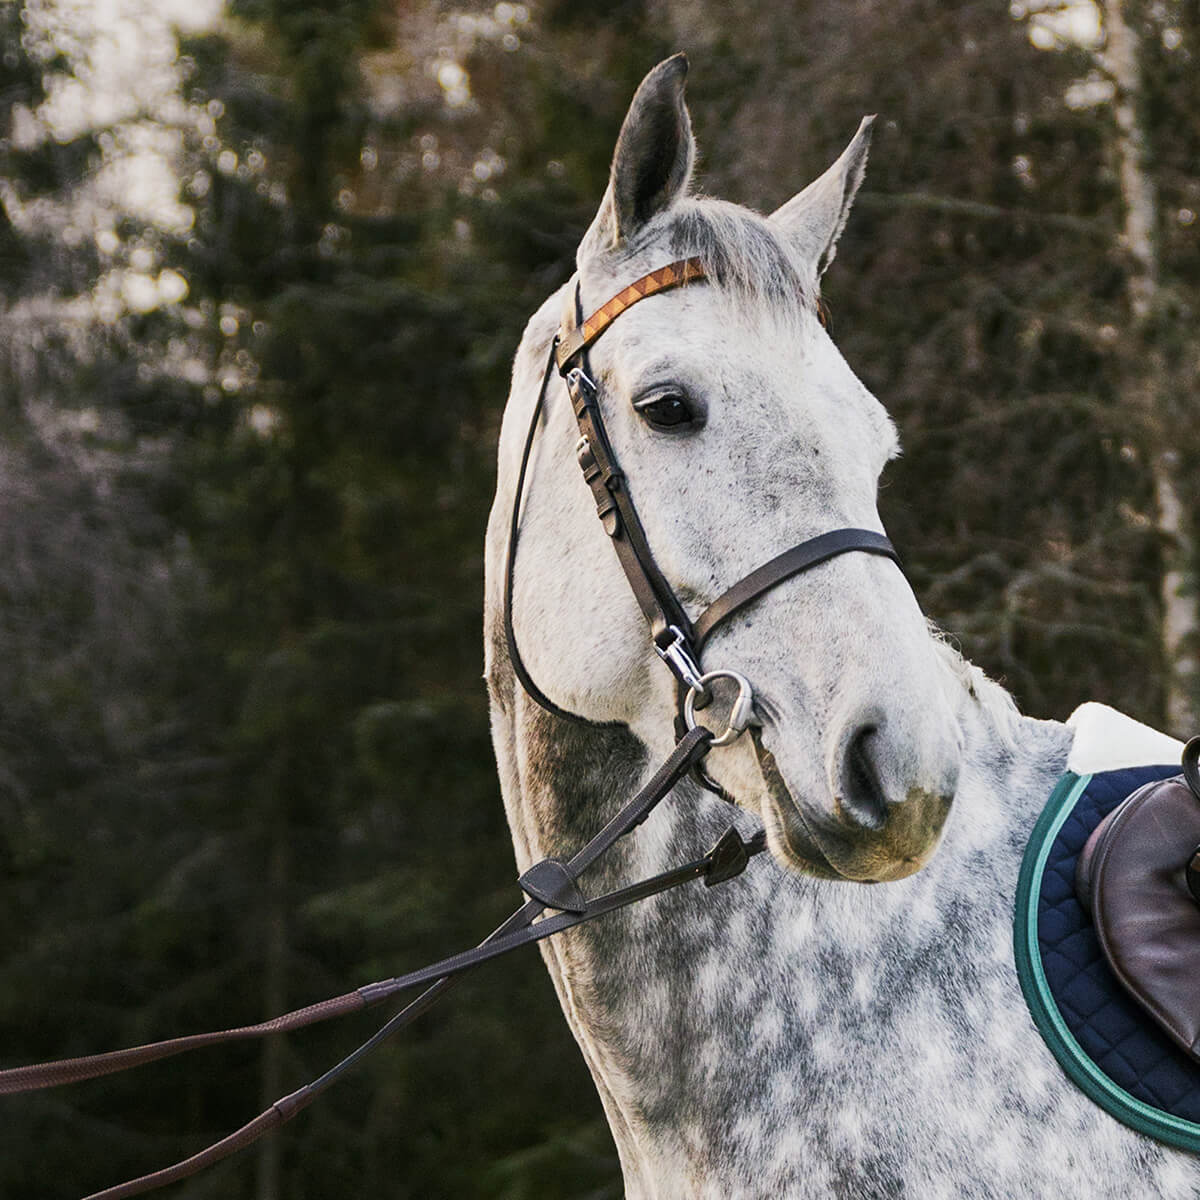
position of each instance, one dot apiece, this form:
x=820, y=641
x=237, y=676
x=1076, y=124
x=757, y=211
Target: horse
x=844, y=1018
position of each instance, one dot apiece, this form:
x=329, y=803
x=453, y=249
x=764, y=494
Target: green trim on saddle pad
x=1042, y=1007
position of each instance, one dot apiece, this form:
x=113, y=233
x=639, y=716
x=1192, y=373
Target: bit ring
x=739, y=714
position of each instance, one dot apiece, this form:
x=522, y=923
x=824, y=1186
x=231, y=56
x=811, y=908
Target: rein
x=550, y=883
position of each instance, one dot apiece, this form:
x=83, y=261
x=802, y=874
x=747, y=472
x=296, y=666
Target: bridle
x=551, y=883
x=676, y=638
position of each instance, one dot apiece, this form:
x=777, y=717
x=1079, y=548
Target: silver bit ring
x=739, y=715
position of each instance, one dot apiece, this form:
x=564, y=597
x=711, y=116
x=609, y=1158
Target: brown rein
x=550, y=883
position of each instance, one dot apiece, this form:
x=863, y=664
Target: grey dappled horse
x=793, y=1032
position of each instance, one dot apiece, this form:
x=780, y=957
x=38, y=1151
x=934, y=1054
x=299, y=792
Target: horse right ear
x=652, y=164
x=814, y=219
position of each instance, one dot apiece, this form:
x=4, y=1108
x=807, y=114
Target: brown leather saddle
x=1139, y=877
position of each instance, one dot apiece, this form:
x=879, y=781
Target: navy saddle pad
x=1098, y=1033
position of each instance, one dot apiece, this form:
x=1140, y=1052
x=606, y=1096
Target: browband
x=572, y=341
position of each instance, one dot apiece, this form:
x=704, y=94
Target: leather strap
x=614, y=507
x=510, y=634
x=725, y=860
x=74, y=1070
x=587, y=331
x=791, y=562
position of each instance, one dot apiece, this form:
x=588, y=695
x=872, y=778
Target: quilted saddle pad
x=1100, y=1036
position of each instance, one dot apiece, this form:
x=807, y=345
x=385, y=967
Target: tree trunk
x=1150, y=392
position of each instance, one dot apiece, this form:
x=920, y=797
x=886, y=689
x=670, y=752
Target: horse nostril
x=862, y=799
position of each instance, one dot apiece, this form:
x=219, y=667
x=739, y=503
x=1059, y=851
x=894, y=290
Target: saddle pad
x=1101, y=1038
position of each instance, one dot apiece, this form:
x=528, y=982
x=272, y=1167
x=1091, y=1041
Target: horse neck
x=719, y=1000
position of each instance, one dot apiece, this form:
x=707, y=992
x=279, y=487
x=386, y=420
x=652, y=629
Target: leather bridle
x=677, y=639
x=551, y=883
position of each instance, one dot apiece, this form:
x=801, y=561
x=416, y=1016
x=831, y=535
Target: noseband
x=677, y=639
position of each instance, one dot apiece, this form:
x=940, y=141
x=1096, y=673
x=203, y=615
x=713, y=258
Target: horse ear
x=814, y=219
x=652, y=164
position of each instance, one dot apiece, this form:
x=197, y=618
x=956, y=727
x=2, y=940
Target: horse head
x=740, y=431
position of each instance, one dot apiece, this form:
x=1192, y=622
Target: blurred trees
x=287, y=473
x=247, y=457
x=1155, y=383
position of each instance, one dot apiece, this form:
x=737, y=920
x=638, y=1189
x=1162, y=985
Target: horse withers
x=793, y=1032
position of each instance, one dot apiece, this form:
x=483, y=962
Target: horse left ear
x=814, y=219
x=652, y=164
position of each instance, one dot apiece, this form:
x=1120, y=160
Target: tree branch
x=988, y=212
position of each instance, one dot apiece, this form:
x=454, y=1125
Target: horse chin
x=814, y=848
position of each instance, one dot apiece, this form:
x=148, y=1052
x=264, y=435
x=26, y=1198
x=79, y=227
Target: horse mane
x=995, y=701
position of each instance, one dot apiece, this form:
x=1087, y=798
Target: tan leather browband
x=673, y=275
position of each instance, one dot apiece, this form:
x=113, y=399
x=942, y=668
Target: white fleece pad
x=1106, y=740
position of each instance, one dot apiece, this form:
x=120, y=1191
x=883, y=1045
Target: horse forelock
x=741, y=251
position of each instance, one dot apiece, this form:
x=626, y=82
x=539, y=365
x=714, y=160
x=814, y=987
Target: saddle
x=1107, y=940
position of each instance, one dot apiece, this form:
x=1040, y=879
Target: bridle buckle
x=677, y=654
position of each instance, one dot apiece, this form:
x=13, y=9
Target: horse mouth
x=869, y=856
x=800, y=847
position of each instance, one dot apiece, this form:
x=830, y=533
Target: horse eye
x=666, y=410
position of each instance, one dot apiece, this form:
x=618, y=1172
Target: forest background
x=263, y=267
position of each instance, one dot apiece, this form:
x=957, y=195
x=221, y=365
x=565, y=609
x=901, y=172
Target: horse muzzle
x=880, y=818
